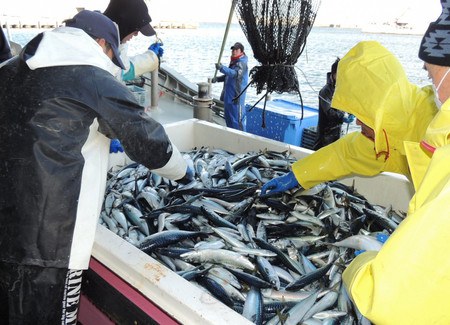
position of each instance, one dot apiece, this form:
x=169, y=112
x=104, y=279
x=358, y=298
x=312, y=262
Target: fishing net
x=277, y=32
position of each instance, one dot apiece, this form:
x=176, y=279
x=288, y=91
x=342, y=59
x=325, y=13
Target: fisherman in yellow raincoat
x=408, y=280
x=372, y=85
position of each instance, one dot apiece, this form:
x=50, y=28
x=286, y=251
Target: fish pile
x=275, y=259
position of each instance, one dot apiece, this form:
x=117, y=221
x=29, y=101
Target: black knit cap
x=131, y=16
x=435, y=46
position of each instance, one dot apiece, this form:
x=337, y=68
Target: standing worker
x=132, y=17
x=59, y=110
x=236, y=79
x=408, y=281
x=372, y=85
x=330, y=119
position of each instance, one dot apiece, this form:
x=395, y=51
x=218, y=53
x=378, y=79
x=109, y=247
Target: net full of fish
x=276, y=259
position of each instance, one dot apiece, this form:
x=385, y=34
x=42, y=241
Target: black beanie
x=130, y=16
x=435, y=46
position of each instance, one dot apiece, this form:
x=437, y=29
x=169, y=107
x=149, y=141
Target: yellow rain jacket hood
x=372, y=85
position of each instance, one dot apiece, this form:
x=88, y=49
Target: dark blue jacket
x=55, y=122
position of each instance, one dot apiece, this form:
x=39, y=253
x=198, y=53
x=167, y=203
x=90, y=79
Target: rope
x=309, y=84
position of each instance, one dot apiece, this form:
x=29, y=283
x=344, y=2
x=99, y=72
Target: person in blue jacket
x=236, y=79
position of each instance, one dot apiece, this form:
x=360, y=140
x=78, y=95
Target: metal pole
x=155, y=89
x=230, y=17
x=155, y=81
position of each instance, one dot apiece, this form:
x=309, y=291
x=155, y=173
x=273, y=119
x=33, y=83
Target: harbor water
x=194, y=52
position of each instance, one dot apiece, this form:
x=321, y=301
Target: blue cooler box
x=283, y=120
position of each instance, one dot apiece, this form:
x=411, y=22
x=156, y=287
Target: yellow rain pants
x=372, y=85
x=408, y=280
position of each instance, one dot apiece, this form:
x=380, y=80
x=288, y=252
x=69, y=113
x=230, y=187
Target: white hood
x=69, y=46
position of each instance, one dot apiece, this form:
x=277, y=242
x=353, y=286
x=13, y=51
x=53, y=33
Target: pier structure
x=175, y=24
x=31, y=22
x=53, y=22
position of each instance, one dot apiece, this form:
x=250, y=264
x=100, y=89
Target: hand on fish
x=280, y=184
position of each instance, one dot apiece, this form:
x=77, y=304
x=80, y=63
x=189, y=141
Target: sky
x=342, y=12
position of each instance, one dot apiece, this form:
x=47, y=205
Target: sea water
x=194, y=52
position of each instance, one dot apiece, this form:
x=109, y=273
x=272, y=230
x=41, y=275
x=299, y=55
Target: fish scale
x=296, y=225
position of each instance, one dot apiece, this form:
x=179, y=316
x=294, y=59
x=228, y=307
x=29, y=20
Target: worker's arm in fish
x=352, y=154
x=408, y=281
x=143, y=139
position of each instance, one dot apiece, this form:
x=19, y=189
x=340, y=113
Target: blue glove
x=188, y=177
x=280, y=184
x=219, y=66
x=157, y=48
x=380, y=237
x=115, y=146
x=348, y=119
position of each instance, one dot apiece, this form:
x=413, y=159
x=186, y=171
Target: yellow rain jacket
x=408, y=280
x=437, y=135
x=372, y=85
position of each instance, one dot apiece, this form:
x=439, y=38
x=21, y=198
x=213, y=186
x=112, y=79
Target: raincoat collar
x=437, y=136
x=67, y=46
x=234, y=58
x=438, y=132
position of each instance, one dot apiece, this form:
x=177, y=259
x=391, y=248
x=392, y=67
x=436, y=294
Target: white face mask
x=436, y=89
x=437, y=101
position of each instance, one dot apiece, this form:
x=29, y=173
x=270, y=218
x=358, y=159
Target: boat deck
x=171, y=107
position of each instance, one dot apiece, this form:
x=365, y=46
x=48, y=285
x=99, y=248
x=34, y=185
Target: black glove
x=219, y=66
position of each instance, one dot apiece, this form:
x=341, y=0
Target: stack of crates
x=283, y=121
x=309, y=137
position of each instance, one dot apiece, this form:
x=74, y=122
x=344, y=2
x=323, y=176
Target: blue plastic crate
x=139, y=93
x=283, y=120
